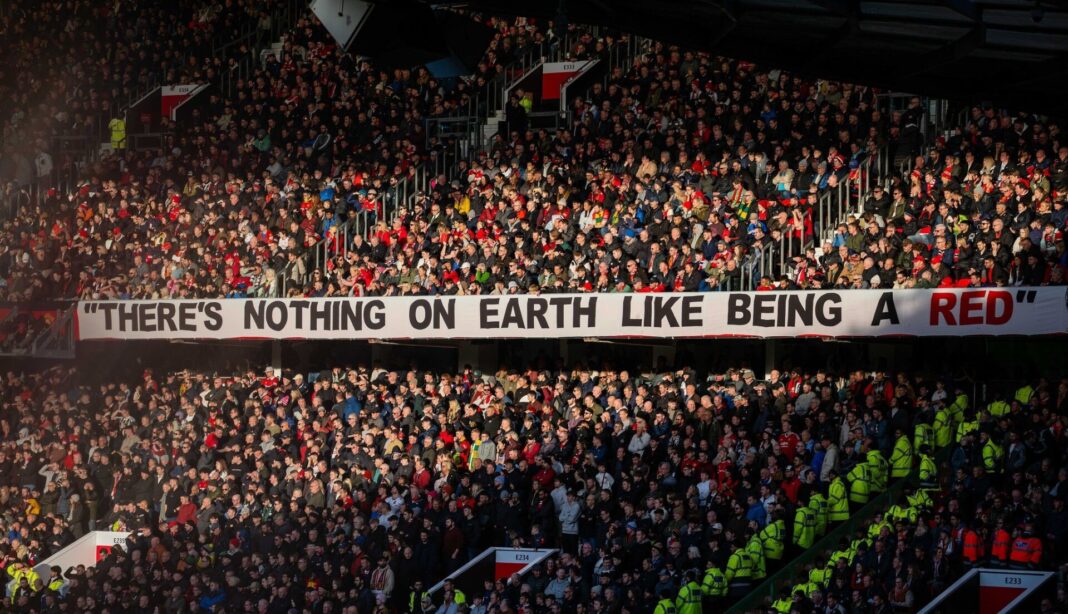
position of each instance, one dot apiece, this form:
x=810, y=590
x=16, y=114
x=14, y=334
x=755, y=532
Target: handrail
x=835, y=205
x=485, y=102
x=57, y=341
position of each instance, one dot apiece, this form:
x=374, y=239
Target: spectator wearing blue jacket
x=757, y=512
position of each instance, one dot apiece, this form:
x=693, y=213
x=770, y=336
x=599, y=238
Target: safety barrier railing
x=284, y=279
x=338, y=243
x=60, y=181
x=58, y=340
x=836, y=204
x=40, y=338
x=252, y=41
x=793, y=241
x=754, y=267
x=147, y=140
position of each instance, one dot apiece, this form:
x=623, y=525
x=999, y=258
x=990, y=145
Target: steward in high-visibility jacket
x=958, y=407
x=859, y=483
x=998, y=408
x=807, y=588
x=906, y=514
x=837, y=500
x=783, y=605
x=1026, y=551
x=855, y=545
x=966, y=427
x=689, y=599
x=943, y=428
x=55, y=579
x=876, y=527
x=928, y=469
x=756, y=554
x=19, y=571
x=804, y=527
x=117, y=127
x=901, y=458
x=971, y=547
x=993, y=454
x=818, y=504
x=665, y=605
x=739, y=567
x=820, y=576
x=844, y=553
x=880, y=471
x=1024, y=394
x=458, y=596
x=773, y=537
x=920, y=500
x=923, y=436
x=714, y=583
x=999, y=549
x=414, y=604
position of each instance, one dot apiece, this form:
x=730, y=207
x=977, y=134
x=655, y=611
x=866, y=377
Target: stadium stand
x=307, y=172
x=294, y=490
x=682, y=172
x=54, y=82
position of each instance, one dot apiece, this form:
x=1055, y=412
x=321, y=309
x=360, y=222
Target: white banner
x=851, y=313
x=174, y=96
x=87, y=550
x=555, y=74
x=510, y=561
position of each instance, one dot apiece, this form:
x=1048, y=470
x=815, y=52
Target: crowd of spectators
x=70, y=66
x=984, y=207
x=356, y=489
x=677, y=175
x=309, y=139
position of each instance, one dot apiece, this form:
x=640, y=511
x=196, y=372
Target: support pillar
x=771, y=356
x=665, y=353
x=467, y=354
x=276, y=355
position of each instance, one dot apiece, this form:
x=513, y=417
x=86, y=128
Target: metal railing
x=61, y=181
x=402, y=194
x=256, y=39
x=55, y=340
x=835, y=205
x=58, y=340
x=338, y=243
x=452, y=146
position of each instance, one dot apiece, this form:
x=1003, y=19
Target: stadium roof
x=1012, y=53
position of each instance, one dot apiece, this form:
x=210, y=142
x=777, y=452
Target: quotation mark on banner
x=1029, y=295
x=90, y=307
